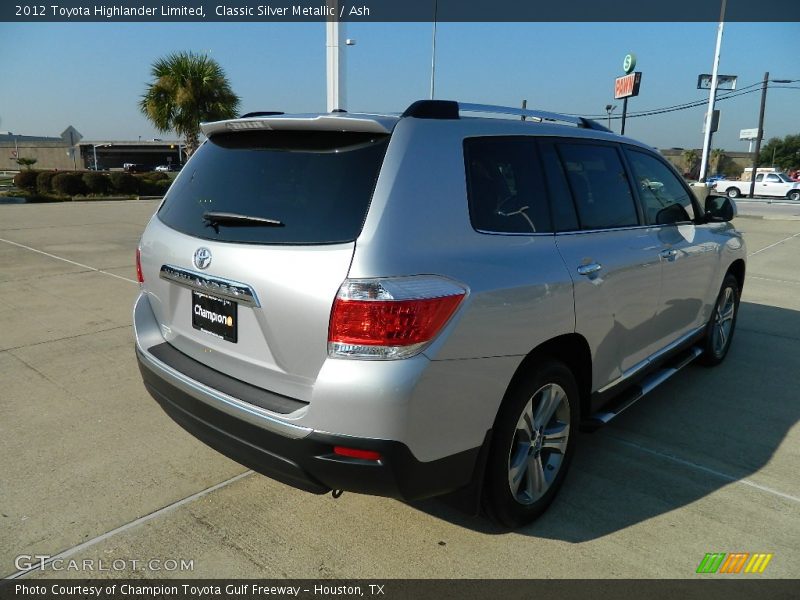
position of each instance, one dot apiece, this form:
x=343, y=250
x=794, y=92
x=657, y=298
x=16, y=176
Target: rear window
x=505, y=185
x=317, y=184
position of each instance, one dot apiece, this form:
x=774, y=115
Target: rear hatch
x=245, y=256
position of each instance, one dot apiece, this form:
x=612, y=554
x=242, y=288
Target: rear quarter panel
x=520, y=293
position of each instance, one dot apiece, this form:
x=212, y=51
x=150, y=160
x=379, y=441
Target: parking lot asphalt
x=92, y=469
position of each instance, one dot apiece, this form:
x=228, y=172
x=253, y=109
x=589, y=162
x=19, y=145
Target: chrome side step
x=637, y=391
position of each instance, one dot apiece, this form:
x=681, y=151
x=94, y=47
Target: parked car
x=776, y=185
x=426, y=304
x=169, y=168
x=135, y=168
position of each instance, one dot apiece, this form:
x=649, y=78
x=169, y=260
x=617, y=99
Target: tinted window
x=599, y=186
x=505, y=186
x=664, y=199
x=318, y=184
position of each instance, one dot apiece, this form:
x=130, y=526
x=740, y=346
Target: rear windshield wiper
x=225, y=218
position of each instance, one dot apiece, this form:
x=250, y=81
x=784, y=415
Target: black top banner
x=400, y=11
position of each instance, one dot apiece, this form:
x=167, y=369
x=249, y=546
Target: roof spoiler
x=329, y=122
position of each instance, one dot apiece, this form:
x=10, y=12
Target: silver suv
x=426, y=304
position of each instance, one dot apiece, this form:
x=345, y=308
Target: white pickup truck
x=777, y=185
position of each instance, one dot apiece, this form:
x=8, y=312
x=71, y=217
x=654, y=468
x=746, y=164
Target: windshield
x=785, y=178
x=317, y=184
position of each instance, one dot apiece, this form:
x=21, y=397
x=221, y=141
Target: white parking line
x=127, y=526
x=786, y=239
x=768, y=202
x=775, y=280
x=66, y=260
x=704, y=469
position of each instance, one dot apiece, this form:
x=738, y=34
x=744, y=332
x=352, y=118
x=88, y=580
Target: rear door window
x=505, y=185
x=599, y=186
x=316, y=184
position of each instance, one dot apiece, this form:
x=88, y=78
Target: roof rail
x=262, y=113
x=447, y=109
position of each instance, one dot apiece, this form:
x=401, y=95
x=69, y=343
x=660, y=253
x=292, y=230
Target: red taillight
x=389, y=322
x=139, y=276
x=390, y=318
x=356, y=453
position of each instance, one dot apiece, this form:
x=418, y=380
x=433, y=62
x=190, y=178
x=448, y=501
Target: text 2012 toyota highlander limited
x=427, y=303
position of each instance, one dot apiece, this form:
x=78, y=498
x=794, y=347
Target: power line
x=742, y=92
x=681, y=106
x=677, y=107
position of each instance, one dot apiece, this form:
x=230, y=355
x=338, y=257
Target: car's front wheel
x=794, y=195
x=532, y=444
x=721, y=326
x=733, y=192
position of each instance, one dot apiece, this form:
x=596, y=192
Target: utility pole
x=712, y=97
x=759, y=134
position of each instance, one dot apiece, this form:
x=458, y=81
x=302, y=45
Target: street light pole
x=759, y=133
x=335, y=59
x=433, y=49
x=94, y=150
x=712, y=96
x=610, y=108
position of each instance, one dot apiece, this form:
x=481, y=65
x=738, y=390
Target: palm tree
x=187, y=89
x=717, y=159
x=690, y=157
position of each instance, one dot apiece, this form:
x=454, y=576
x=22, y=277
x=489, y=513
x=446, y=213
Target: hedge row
x=75, y=183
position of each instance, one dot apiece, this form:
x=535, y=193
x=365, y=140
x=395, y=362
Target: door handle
x=670, y=254
x=589, y=269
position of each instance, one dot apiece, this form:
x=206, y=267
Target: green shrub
x=68, y=184
x=124, y=183
x=44, y=182
x=26, y=180
x=96, y=183
x=732, y=170
x=155, y=176
x=149, y=187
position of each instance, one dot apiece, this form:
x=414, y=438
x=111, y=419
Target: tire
x=794, y=195
x=733, y=192
x=722, y=325
x=531, y=450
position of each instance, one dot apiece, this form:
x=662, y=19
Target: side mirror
x=720, y=209
x=674, y=213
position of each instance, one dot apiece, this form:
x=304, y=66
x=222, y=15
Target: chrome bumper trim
x=232, y=290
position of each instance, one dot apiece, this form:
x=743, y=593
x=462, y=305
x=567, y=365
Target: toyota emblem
x=202, y=258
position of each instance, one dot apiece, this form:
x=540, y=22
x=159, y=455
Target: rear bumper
x=299, y=456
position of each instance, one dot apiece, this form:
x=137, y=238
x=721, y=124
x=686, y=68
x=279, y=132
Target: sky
x=91, y=75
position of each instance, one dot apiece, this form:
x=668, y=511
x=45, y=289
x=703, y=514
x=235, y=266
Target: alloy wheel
x=723, y=320
x=539, y=445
